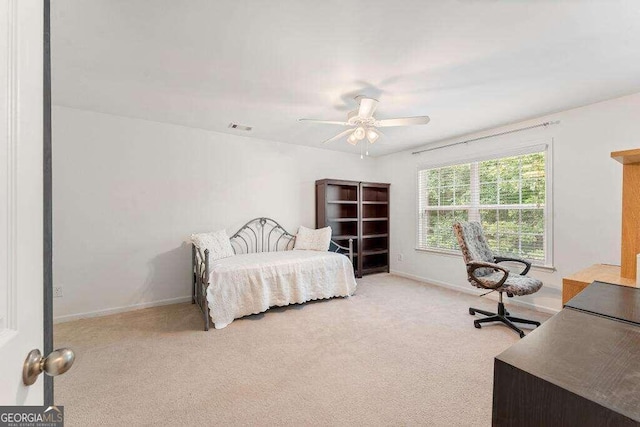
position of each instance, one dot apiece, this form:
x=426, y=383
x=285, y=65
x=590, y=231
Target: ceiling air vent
x=240, y=127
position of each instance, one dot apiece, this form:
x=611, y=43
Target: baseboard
x=465, y=289
x=474, y=291
x=108, y=311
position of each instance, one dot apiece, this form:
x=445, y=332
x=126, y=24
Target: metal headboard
x=261, y=235
x=266, y=235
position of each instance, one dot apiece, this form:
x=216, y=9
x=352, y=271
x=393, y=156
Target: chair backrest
x=473, y=244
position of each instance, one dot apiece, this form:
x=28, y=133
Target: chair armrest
x=527, y=264
x=474, y=265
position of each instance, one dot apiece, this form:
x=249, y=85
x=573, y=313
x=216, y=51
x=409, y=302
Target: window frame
x=545, y=146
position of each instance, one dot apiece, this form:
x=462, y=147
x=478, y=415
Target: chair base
x=501, y=316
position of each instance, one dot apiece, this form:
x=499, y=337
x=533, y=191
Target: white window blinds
x=507, y=195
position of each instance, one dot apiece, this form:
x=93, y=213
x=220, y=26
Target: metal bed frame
x=256, y=236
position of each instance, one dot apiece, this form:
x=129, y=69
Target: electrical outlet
x=57, y=291
x=400, y=257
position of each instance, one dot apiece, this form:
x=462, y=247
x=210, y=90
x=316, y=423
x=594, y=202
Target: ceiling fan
x=363, y=125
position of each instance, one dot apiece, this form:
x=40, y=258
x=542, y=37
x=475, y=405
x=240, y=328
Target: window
x=507, y=195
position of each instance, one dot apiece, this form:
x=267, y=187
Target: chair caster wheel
x=537, y=324
x=521, y=334
x=507, y=313
x=476, y=324
x=472, y=311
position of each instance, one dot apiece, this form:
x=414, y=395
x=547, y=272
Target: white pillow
x=217, y=242
x=309, y=239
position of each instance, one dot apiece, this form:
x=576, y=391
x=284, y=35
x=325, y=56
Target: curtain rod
x=545, y=124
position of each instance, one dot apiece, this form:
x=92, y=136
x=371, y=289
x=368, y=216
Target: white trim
x=435, y=251
x=544, y=145
x=124, y=309
x=548, y=204
x=458, y=254
x=473, y=291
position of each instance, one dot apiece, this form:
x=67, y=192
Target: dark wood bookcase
x=359, y=211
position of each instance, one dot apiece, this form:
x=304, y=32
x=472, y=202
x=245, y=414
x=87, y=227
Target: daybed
x=266, y=272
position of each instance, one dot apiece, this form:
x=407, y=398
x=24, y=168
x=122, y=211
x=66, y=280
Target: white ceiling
x=468, y=64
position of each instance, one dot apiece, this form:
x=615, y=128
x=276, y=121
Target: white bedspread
x=251, y=283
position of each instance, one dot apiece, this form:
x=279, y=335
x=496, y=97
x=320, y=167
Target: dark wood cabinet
x=580, y=368
x=359, y=211
x=617, y=302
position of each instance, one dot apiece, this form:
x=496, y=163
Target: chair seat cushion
x=515, y=284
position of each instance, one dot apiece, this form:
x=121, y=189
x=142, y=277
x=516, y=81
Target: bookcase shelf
x=343, y=202
x=359, y=211
x=373, y=236
x=375, y=252
x=345, y=236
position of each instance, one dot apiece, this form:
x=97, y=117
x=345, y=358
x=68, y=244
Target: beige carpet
x=396, y=353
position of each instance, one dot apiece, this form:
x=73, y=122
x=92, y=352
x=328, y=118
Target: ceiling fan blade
x=326, y=122
x=367, y=106
x=340, y=135
x=403, y=121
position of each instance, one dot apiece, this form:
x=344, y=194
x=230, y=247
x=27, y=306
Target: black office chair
x=484, y=272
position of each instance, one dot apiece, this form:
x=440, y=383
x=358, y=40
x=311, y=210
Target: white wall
x=587, y=187
x=128, y=192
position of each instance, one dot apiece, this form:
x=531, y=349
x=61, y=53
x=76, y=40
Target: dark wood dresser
x=580, y=368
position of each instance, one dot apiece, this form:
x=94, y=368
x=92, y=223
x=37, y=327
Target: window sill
x=455, y=254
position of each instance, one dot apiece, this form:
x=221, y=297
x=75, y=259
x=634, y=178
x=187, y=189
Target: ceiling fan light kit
x=373, y=135
x=363, y=125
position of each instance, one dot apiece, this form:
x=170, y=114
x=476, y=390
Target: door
x=21, y=196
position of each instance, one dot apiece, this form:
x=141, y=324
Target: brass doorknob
x=57, y=362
